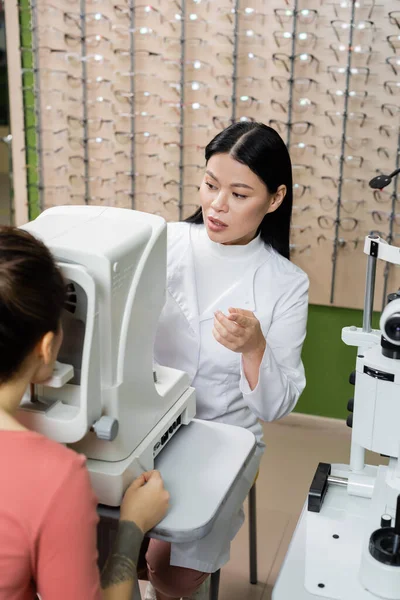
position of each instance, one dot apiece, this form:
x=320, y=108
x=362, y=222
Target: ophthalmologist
x=235, y=320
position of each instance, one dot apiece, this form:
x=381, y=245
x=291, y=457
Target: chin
x=42, y=377
x=218, y=237
x=39, y=380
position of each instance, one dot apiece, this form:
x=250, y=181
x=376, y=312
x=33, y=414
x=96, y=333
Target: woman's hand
x=240, y=331
x=145, y=501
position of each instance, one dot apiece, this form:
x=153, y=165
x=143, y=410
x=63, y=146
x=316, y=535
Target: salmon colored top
x=48, y=521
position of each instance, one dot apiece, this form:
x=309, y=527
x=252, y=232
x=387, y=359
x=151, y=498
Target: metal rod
x=182, y=110
x=342, y=149
x=357, y=452
x=342, y=481
x=369, y=294
x=291, y=76
x=84, y=101
x=7, y=140
x=253, y=535
x=214, y=585
x=235, y=59
x=132, y=91
x=357, y=456
x=391, y=221
x=18, y=148
x=37, y=102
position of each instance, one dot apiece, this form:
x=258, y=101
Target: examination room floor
x=295, y=445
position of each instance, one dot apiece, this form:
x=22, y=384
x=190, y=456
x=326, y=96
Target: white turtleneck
x=218, y=267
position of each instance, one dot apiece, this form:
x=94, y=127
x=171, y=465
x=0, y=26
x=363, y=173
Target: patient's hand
x=146, y=501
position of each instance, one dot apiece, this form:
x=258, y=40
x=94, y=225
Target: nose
x=220, y=202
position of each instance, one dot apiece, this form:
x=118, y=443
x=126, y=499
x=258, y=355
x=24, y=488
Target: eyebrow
x=242, y=185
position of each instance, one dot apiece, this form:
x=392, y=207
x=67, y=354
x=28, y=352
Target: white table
x=200, y=467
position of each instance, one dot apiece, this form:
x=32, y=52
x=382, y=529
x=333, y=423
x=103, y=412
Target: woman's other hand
x=146, y=501
x=240, y=331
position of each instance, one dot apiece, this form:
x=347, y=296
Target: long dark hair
x=261, y=149
x=32, y=296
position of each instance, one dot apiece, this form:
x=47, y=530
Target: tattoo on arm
x=118, y=568
x=121, y=564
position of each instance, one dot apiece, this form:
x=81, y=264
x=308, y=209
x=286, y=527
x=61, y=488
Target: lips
x=217, y=222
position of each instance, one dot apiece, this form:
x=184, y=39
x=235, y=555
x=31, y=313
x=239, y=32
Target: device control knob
x=384, y=543
x=349, y=421
x=392, y=297
x=350, y=405
x=106, y=428
x=352, y=378
x=386, y=521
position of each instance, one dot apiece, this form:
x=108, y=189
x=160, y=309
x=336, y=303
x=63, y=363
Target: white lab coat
x=277, y=292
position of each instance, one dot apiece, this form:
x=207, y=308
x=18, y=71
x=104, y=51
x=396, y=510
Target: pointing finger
x=229, y=324
x=241, y=311
x=239, y=319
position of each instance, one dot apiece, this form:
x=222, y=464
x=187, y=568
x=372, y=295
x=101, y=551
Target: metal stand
x=132, y=91
x=253, y=535
x=84, y=101
x=235, y=60
x=291, y=76
x=215, y=577
x=369, y=294
x=357, y=452
x=214, y=586
x=336, y=242
x=182, y=111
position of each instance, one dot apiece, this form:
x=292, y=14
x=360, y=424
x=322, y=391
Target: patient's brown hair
x=32, y=295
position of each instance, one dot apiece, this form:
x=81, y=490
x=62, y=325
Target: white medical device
x=347, y=542
x=106, y=400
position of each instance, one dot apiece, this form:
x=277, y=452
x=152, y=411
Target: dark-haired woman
x=235, y=320
x=47, y=507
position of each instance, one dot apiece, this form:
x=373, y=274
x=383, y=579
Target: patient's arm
x=119, y=574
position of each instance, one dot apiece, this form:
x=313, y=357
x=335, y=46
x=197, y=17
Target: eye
x=240, y=196
x=210, y=185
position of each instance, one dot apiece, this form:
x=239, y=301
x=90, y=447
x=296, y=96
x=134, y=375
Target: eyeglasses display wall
x=122, y=98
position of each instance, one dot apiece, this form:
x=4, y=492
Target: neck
x=230, y=251
x=11, y=394
x=244, y=240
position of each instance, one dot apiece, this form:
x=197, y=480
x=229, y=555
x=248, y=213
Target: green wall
x=28, y=86
x=328, y=361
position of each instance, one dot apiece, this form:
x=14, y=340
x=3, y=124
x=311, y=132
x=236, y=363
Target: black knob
x=386, y=521
x=384, y=543
x=383, y=546
x=352, y=378
x=349, y=421
x=392, y=297
x=350, y=405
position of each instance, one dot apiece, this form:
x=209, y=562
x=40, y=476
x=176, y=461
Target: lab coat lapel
x=240, y=295
x=181, y=281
